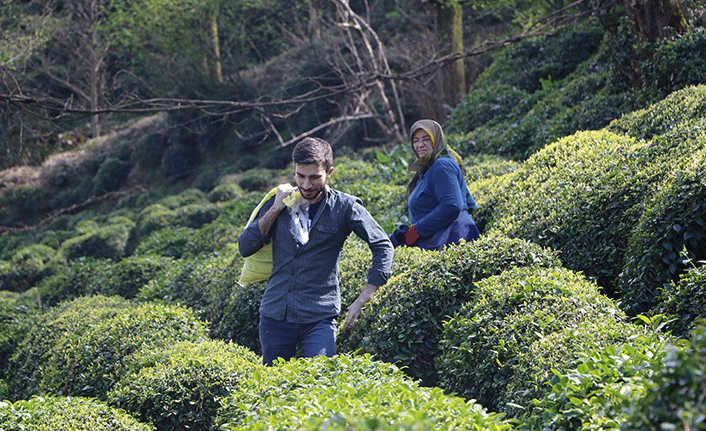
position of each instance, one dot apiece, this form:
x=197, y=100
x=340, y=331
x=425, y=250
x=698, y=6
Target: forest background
x=138, y=135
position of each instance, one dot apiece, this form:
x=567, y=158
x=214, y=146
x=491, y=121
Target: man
x=302, y=298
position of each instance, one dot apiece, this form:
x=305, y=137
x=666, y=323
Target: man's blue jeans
x=279, y=339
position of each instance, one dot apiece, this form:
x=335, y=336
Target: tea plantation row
x=557, y=318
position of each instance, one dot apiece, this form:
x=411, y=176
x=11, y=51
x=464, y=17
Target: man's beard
x=315, y=193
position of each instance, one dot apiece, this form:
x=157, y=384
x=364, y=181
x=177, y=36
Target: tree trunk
x=316, y=8
x=652, y=17
x=217, y=67
x=449, y=25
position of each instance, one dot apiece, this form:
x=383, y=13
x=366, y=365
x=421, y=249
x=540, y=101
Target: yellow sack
x=258, y=266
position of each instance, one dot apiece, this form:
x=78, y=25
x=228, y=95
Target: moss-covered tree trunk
x=652, y=18
x=449, y=26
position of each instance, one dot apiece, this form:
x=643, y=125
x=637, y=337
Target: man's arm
x=356, y=307
x=265, y=222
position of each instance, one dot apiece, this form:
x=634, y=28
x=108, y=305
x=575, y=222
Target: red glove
x=411, y=236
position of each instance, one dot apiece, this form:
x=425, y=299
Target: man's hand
x=268, y=219
x=356, y=307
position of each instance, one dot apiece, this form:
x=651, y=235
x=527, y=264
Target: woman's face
x=421, y=142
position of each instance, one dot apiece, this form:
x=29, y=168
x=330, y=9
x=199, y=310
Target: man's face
x=311, y=180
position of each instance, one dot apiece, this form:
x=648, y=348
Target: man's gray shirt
x=303, y=287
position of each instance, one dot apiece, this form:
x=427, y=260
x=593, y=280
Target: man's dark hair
x=313, y=150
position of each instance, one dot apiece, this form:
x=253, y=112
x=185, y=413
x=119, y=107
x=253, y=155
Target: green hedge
x=26, y=267
x=66, y=414
x=671, y=229
x=68, y=320
x=82, y=348
x=347, y=393
x=602, y=388
x=676, y=393
x=110, y=241
x=685, y=301
x=87, y=276
x=404, y=321
x=208, y=286
x=535, y=366
x=510, y=312
x=182, y=386
x=16, y=318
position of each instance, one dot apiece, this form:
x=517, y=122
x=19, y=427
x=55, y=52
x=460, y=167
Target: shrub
x=571, y=197
x=673, y=222
x=598, y=392
x=403, y=323
x=109, y=242
x=536, y=365
x=79, y=277
x=155, y=217
x=676, y=397
x=385, y=202
x=347, y=392
x=174, y=242
x=90, y=365
x=110, y=176
x=257, y=180
x=206, y=285
x=69, y=319
x=680, y=107
x=677, y=62
x=240, y=319
x=225, y=192
x=685, y=300
x=27, y=266
x=178, y=160
x=66, y=414
x=16, y=318
x=126, y=278
x=86, y=345
x=508, y=313
x=182, y=386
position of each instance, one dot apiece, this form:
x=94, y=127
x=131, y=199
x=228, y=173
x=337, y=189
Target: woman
x=439, y=199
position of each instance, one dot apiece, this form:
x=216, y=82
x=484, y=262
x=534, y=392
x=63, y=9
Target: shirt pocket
x=326, y=231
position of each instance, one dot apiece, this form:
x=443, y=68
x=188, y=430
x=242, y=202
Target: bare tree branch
x=363, y=83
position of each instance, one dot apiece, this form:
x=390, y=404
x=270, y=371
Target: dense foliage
x=578, y=308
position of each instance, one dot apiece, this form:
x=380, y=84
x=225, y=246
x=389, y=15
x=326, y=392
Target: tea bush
x=509, y=312
x=173, y=242
x=204, y=285
x=684, y=106
x=673, y=222
x=347, y=392
x=598, y=392
x=79, y=277
x=225, y=192
x=676, y=393
x=676, y=62
x=88, y=360
x=51, y=413
x=403, y=323
x=110, y=241
x=535, y=366
x=110, y=176
x=240, y=318
x=685, y=300
x=582, y=196
x=16, y=318
x=182, y=386
x=157, y=216
x=67, y=321
x=27, y=266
